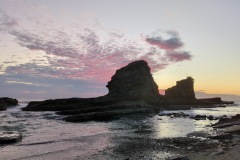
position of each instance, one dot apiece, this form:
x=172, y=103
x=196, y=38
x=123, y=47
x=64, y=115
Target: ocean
x=46, y=136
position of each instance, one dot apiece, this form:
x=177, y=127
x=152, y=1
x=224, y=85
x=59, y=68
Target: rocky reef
x=132, y=90
x=7, y=102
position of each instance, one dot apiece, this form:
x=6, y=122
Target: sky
x=59, y=48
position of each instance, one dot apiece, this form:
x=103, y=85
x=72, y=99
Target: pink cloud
x=86, y=56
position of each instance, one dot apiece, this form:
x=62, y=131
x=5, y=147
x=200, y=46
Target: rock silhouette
x=134, y=82
x=7, y=102
x=182, y=92
x=132, y=90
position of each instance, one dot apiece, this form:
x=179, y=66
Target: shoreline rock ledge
x=132, y=90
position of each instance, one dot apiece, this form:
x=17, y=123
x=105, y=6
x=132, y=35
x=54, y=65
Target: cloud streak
x=171, y=43
x=89, y=54
x=27, y=83
x=6, y=21
x=178, y=56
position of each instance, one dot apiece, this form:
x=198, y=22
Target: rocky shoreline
x=197, y=145
x=133, y=92
x=139, y=142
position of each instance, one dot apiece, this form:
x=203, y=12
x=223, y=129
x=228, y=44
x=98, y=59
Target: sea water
x=46, y=135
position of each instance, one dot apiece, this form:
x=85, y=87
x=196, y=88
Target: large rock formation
x=182, y=92
x=7, y=102
x=132, y=90
x=134, y=82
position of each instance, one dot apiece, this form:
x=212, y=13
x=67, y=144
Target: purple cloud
x=168, y=44
x=6, y=21
x=177, y=56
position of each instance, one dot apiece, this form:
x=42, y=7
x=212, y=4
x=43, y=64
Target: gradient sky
x=59, y=48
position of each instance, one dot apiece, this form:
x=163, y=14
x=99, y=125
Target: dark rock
x=236, y=117
x=234, y=129
x=200, y=117
x=224, y=120
x=222, y=105
x=3, y=106
x=10, y=137
x=134, y=82
x=125, y=105
x=182, y=92
x=218, y=152
x=216, y=100
x=7, y=102
x=63, y=104
x=210, y=117
x=198, y=134
x=107, y=115
x=227, y=122
x=178, y=158
x=222, y=136
x=178, y=114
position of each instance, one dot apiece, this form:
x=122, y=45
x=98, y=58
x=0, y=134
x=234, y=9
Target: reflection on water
x=180, y=127
x=44, y=135
x=216, y=112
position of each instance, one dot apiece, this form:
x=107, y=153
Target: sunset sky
x=59, y=48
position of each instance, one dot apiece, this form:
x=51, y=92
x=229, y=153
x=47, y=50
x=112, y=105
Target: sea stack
x=134, y=82
x=182, y=92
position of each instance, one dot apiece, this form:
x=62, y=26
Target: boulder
x=10, y=137
x=200, y=117
x=211, y=117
